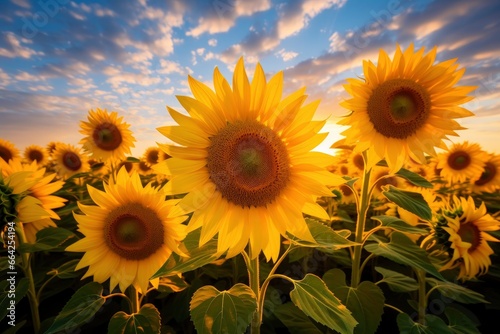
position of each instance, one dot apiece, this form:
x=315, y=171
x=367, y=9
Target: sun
x=245, y=162
x=128, y=234
x=404, y=107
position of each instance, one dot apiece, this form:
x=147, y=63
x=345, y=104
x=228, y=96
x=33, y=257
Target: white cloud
x=16, y=49
x=226, y=14
x=4, y=78
x=212, y=42
x=25, y=76
x=169, y=66
x=286, y=55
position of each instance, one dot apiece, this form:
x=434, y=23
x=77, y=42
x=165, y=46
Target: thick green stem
x=32, y=295
x=133, y=295
x=253, y=277
x=363, y=205
x=422, y=296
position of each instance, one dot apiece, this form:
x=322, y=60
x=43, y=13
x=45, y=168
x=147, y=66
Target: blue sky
x=60, y=58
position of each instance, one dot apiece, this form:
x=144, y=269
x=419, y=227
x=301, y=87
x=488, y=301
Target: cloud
x=222, y=15
x=286, y=55
x=14, y=48
x=212, y=42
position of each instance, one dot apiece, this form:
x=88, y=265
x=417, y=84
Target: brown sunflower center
x=128, y=165
x=344, y=170
x=459, y=160
x=359, y=162
x=5, y=153
x=133, y=231
x=35, y=155
x=71, y=161
x=488, y=174
x=248, y=163
x=470, y=233
x=346, y=191
x=144, y=167
x=398, y=108
x=152, y=157
x=384, y=180
x=107, y=136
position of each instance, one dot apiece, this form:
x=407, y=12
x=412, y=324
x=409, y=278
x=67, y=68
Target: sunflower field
x=240, y=226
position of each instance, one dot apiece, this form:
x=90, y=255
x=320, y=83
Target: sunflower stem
x=363, y=205
x=26, y=266
x=253, y=278
x=422, y=296
x=133, y=296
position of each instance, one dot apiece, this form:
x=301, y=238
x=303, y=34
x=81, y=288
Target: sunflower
x=129, y=234
x=404, y=107
x=51, y=147
x=152, y=156
x=143, y=168
x=489, y=181
x=19, y=187
x=381, y=176
x=462, y=230
x=462, y=162
x=69, y=161
x=107, y=136
x=7, y=150
x=245, y=163
x=31, y=229
x=36, y=153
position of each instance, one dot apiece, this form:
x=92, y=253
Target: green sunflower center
x=470, y=233
x=71, y=161
x=8, y=203
x=248, y=163
x=107, y=136
x=488, y=174
x=5, y=153
x=459, y=160
x=133, y=231
x=35, y=155
x=397, y=108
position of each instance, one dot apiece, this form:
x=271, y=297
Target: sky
x=61, y=58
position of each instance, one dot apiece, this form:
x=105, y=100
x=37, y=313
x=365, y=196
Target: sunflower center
x=346, y=191
x=128, y=166
x=35, y=155
x=143, y=166
x=5, y=153
x=359, y=162
x=398, y=108
x=152, y=157
x=133, y=231
x=248, y=163
x=459, y=160
x=71, y=161
x=488, y=174
x=107, y=136
x=470, y=233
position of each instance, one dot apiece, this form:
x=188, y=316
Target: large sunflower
x=489, y=181
x=129, y=234
x=462, y=162
x=463, y=230
x=245, y=162
x=7, y=150
x=405, y=107
x=107, y=136
x=68, y=160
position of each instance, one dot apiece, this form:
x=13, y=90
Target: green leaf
x=397, y=282
x=80, y=309
x=312, y=296
x=414, y=178
x=54, y=239
x=7, y=295
x=409, y=200
x=398, y=224
x=457, y=292
x=197, y=256
x=460, y=323
x=295, y=320
x=147, y=321
x=366, y=302
x=66, y=270
x=325, y=237
x=230, y=311
x=133, y=159
x=402, y=250
x=172, y=284
x=434, y=325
